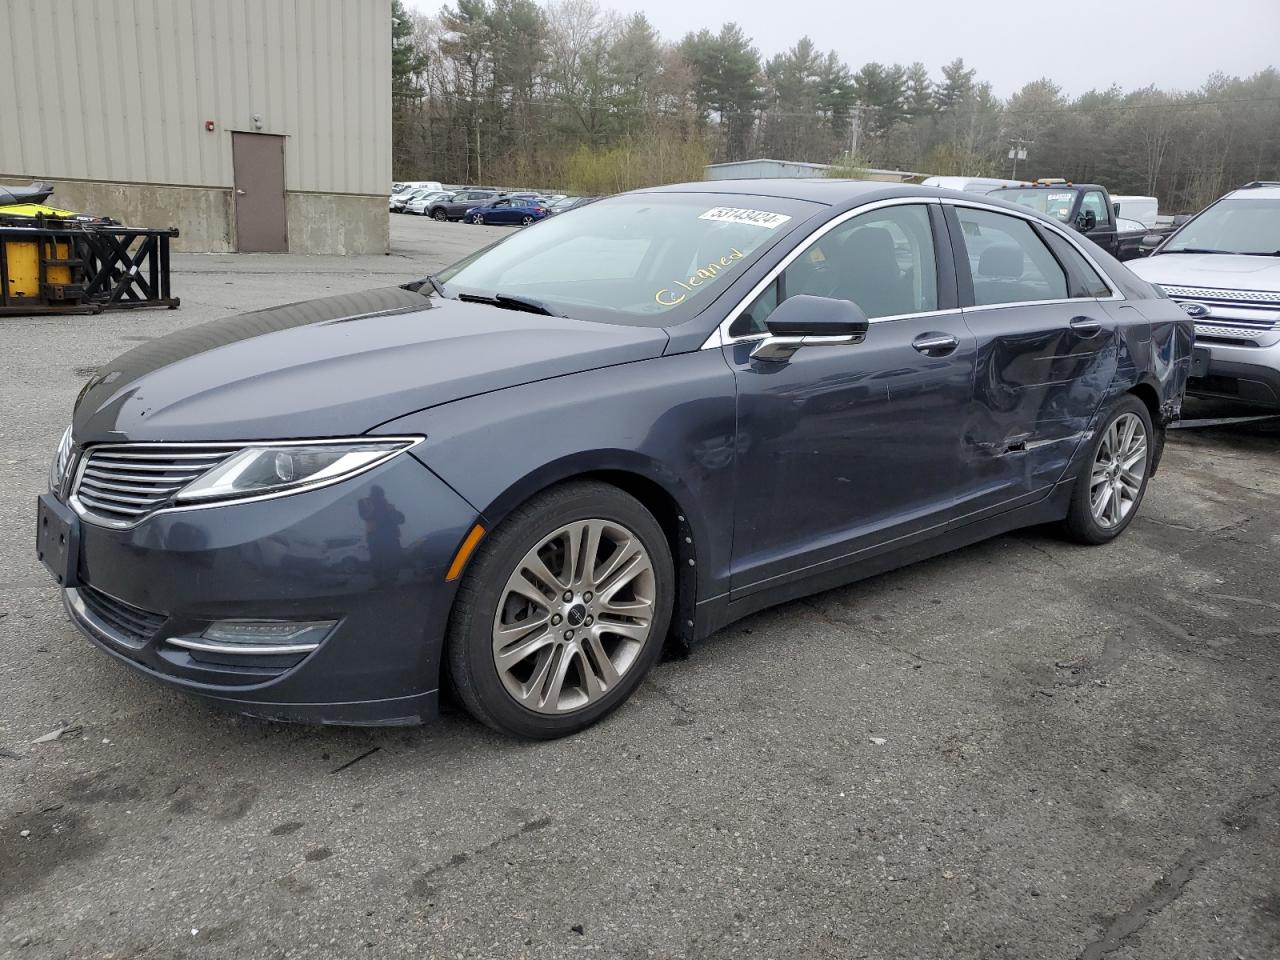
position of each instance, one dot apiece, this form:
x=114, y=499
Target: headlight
x=288, y=467
x=61, y=462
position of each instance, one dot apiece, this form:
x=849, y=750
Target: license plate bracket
x=58, y=539
x=1199, y=362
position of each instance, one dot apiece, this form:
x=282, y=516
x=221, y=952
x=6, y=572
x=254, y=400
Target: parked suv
x=1223, y=265
x=456, y=206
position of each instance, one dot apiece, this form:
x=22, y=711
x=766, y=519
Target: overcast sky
x=1085, y=44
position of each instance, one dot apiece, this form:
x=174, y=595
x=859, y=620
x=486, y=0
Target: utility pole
x=1018, y=151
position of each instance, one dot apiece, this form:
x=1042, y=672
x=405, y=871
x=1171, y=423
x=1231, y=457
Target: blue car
x=510, y=209
x=524, y=476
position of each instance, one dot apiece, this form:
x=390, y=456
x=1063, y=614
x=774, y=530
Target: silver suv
x=1224, y=267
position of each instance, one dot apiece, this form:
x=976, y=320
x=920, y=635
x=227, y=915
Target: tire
x=1107, y=494
x=527, y=696
x=526, y=220
x=439, y=215
x=478, y=218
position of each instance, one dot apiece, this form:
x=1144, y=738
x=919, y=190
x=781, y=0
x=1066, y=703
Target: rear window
x=1046, y=200
x=653, y=259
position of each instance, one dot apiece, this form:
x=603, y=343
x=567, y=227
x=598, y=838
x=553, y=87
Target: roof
x=816, y=190
x=1263, y=191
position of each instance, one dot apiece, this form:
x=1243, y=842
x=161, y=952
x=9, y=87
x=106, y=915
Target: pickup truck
x=1089, y=209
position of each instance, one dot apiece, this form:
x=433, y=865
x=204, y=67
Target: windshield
x=652, y=259
x=1050, y=202
x=1236, y=225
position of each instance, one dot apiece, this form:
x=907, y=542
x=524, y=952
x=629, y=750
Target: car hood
x=337, y=367
x=1218, y=270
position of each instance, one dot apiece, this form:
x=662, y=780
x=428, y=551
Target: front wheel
x=1111, y=486
x=440, y=215
x=477, y=218
x=562, y=613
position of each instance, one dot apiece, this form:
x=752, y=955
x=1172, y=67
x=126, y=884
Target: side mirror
x=1115, y=208
x=1086, y=220
x=1151, y=241
x=805, y=321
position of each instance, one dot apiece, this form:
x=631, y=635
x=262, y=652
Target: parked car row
x=478, y=204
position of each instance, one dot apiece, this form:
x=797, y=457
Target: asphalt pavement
x=1023, y=749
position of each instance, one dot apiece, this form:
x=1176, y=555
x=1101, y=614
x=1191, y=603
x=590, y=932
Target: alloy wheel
x=1119, y=466
x=477, y=219
x=574, y=616
x=527, y=220
x=440, y=215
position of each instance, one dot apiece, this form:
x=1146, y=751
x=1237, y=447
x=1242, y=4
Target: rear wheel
x=1110, y=488
x=526, y=220
x=563, y=611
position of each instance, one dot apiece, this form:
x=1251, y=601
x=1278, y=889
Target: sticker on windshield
x=756, y=218
x=1055, y=197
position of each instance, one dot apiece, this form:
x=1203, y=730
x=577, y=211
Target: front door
x=843, y=449
x=257, y=161
x=1046, y=355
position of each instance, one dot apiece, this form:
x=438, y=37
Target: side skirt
x=718, y=612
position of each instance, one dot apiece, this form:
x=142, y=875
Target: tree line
x=569, y=95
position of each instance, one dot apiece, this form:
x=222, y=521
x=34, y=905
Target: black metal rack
x=86, y=267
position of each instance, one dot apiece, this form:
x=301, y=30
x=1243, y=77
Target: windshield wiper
x=1260, y=253
x=510, y=302
x=1199, y=250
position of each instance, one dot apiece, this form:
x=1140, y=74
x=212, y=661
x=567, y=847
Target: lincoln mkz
x=622, y=428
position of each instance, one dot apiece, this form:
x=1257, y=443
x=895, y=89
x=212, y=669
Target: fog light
x=262, y=637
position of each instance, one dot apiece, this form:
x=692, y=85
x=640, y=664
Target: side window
x=1086, y=282
x=1008, y=261
x=1095, y=201
x=882, y=260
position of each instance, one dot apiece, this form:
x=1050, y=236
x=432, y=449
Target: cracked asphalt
x=1023, y=749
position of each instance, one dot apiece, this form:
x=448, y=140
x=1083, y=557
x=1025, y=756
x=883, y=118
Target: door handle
x=1086, y=326
x=935, y=344
x=239, y=193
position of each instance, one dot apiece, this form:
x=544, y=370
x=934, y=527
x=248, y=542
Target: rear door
x=843, y=450
x=1046, y=354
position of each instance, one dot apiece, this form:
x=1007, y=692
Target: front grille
x=122, y=484
x=134, y=623
x=1242, y=336
x=1223, y=296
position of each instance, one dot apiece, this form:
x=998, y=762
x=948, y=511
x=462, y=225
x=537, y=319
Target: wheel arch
x=1150, y=398
x=653, y=485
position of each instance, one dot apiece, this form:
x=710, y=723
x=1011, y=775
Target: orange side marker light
x=464, y=552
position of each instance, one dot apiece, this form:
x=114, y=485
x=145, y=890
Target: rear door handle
x=1086, y=326
x=935, y=344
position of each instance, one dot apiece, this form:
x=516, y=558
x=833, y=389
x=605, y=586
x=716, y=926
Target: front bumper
x=1250, y=374
x=321, y=555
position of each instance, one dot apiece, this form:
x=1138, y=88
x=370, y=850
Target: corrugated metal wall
x=119, y=90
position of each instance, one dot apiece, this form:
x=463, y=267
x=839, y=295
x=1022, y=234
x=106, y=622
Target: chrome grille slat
x=104, y=506
x=1226, y=296
x=154, y=467
x=121, y=486
x=153, y=479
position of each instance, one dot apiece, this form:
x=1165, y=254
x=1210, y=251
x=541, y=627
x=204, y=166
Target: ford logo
x=1197, y=311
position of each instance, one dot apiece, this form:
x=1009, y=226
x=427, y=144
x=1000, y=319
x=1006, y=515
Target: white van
x=970, y=184
x=1143, y=209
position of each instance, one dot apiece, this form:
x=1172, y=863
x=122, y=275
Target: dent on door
x=1038, y=385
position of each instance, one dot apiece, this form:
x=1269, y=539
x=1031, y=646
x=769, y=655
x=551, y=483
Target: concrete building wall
x=109, y=100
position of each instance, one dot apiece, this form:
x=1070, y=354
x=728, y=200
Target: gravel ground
x=1023, y=749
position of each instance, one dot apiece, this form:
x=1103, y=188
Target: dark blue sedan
x=511, y=209
x=631, y=426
